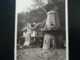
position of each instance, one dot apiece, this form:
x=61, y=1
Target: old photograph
x=41, y=30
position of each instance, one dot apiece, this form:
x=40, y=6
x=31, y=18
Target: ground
x=40, y=54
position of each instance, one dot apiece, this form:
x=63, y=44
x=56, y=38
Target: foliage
x=38, y=15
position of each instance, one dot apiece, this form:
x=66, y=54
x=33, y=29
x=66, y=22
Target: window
x=52, y=24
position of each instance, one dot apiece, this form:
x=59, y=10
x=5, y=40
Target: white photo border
x=66, y=27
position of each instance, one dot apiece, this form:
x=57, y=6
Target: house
x=27, y=33
x=32, y=34
x=45, y=34
x=37, y=35
x=54, y=33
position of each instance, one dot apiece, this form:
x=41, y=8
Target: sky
x=23, y=5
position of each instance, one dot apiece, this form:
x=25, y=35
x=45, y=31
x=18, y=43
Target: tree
x=41, y=4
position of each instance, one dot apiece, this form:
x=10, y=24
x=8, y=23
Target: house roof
x=40, y=25
x=24, y=28
x=36, y=26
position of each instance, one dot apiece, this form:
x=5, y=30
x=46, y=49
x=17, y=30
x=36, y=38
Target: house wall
x=27, y=38
x=46, y=43
x=24, y=33
x=36, y=34
x=40, y=34
x=33, y=33
x=37, y=39
x=52, y=18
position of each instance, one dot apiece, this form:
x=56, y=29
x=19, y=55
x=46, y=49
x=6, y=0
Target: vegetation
x=38, y=15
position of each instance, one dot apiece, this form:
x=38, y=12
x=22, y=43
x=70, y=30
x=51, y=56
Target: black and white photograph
x=41, y=30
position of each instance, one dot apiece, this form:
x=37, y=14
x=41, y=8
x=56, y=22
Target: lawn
x=40, y=54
